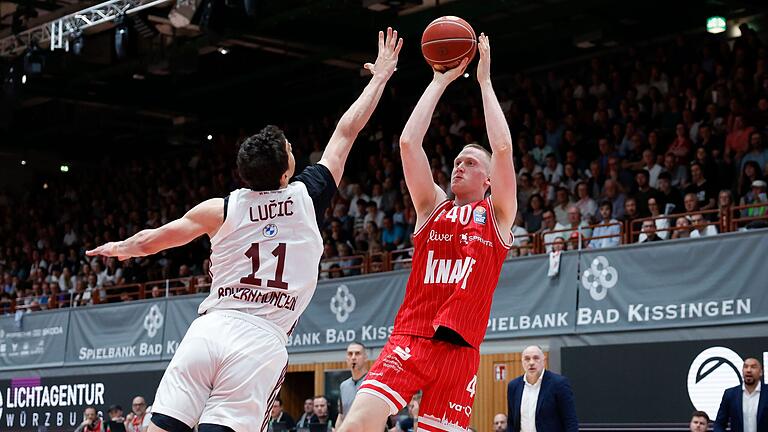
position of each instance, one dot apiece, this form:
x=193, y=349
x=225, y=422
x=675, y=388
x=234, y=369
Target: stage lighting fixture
x=121, y=38
x=23, y=163
x=223, y=51
x=64, y=168
x=210, y=137
x=716, y=24
x=78, y=42
x=24, y=79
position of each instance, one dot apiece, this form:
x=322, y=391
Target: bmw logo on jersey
x=270, y=230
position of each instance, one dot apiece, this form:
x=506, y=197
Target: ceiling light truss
x=56, y=34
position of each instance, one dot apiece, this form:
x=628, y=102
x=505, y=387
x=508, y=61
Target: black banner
x=655, y=382
x=56, y=404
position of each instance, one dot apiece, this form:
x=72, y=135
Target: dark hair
x=700, y=414
x=607, y=203
x=665, y=175
x=262, y=159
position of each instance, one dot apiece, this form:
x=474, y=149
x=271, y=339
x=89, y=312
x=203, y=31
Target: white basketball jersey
x=265, y=257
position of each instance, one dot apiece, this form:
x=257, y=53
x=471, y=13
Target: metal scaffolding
x=56, y=34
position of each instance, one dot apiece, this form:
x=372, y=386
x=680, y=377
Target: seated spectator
x=699, y=422
x=681, y=146
x=553, y=170
x=534, y=215
x=701, y=228
x=611, y=193
x=549, y=226
x=670, y=200
x=724, y=202
x=648, y=232
x=327, y=260
x=643, y=192
x=544, y=189
x=756, y=196
x=576, y=224
x=704, y=191
x=91, y=421
x=677, y=173
x=737, y=141
x=156, y=292
x=586, y=205
x=562, y=204
x=662, y=223
x=606, y=235
x=373, y=214
x=392, y=235
x=757, y=151
x=630, y=210
x=520, y=237
x=277, y=415
x=682, y=228
x=690, y=203
x=320, y=412
x=654, y=169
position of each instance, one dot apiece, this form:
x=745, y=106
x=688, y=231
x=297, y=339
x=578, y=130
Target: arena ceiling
x=290, y=56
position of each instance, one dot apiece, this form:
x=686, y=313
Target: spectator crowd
x=675, y=127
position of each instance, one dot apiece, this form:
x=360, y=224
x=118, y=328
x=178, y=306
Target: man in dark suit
x=539, y=400
x=744, y=406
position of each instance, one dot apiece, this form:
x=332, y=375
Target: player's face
x=751, y=371
x=698, y=424
x=470, y=172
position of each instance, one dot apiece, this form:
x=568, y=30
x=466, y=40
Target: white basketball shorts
x=226, y=371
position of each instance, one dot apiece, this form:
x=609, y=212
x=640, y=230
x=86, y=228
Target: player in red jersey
x=459, y=247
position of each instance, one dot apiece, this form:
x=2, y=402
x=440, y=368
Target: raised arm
x=503, y=182
x=426, y=195
x=204, y=218
x=352, y=122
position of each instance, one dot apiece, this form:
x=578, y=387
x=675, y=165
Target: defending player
x=459, y=247
x=266, y=247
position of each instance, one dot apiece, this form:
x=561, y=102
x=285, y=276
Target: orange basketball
x=446, y=41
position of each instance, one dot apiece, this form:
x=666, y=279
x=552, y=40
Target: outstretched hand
x=108, y=250
x=386, y=60
x=447, y=77
x=484, y=65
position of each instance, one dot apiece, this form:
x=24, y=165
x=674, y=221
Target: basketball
x=447, y=41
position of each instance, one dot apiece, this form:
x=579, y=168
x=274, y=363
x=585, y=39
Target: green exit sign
x=716, y=24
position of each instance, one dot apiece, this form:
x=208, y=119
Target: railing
x=710, y=218
x=729, y=219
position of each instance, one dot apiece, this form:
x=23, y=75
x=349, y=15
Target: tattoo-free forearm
x=497, y=128
x=355, y=118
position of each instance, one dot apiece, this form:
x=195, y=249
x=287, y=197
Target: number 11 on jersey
x=253, y=254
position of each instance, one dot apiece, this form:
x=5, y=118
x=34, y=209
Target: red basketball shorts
x=444, y=372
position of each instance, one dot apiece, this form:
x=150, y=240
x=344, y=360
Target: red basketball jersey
x=457, y=259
